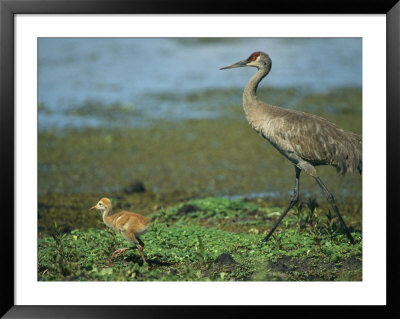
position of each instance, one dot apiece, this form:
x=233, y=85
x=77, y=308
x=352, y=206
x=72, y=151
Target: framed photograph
x=134, y=181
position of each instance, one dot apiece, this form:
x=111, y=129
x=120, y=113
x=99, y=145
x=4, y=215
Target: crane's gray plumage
x=305, y=139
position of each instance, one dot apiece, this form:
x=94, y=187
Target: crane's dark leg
x=293, y=200
x=331, y=200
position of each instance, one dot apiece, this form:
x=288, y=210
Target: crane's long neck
x=250, y=90
x=256, y=111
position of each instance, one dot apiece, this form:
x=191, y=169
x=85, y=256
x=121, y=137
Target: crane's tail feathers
x=349, y=154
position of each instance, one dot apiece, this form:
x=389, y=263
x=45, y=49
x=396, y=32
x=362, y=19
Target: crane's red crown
x=253, y=56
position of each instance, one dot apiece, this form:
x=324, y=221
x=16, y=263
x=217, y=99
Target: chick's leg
x=130, y=236
x=140, y=248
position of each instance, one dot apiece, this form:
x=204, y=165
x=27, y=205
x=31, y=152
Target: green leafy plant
x=185, y=248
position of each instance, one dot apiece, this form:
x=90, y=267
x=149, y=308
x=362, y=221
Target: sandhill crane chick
x=130, y=225
x=304, y=139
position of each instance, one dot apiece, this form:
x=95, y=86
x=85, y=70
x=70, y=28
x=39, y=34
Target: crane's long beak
x=94, y=207
x=235, y=65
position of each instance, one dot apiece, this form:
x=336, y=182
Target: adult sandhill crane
x=130, y=225
x=304, y=139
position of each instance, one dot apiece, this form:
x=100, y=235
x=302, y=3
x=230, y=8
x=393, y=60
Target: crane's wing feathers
x=315, y=140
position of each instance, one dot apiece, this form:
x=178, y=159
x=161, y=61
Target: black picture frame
x=8, y=10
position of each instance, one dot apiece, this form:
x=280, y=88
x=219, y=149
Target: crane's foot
x=119, y=252
x=265, y=239
x=351, y=239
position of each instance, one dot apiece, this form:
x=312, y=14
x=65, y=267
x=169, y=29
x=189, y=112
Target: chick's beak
x=93, y=207
x=235, y=65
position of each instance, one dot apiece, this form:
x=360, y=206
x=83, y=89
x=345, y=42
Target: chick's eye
x=100, y=204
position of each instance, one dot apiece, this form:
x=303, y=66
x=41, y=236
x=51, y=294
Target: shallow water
x=152, y=79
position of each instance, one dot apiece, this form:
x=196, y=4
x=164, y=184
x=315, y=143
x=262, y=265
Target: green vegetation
x=193, y=171
x=185, y=240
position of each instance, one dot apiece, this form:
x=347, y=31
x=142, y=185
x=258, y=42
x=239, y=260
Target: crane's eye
x=100, y=204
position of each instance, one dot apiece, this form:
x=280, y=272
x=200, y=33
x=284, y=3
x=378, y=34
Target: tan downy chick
x=130, y=225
